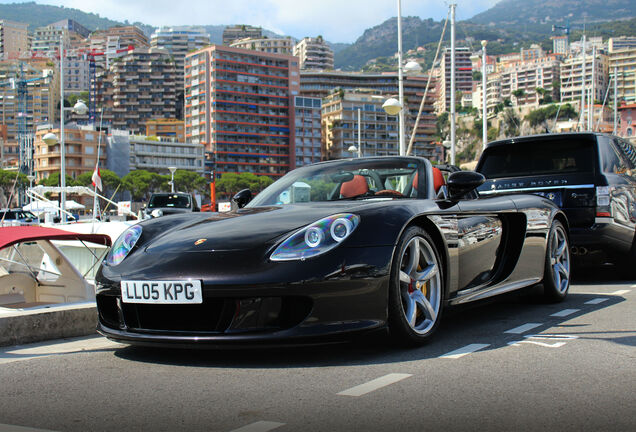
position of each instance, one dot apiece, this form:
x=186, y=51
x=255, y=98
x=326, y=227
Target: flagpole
x=99, y=144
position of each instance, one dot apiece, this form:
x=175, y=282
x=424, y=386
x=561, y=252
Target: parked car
x=330, y=249
x=18, y=217
x=165, y=203
x=591, y=176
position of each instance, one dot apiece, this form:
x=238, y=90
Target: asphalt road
x=511, y=364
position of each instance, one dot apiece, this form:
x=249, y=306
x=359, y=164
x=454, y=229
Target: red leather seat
x=438, y=179
x=356, y=186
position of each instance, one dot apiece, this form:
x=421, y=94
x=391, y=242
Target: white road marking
x=596, y=301
x=620, y=292
x=259, y=426
x=12, y=428
x=523, y=328
x=46, y=349
x=633, y=286
x=565, y=312
x=461, y=352
x=375, y=384
x=554, y=337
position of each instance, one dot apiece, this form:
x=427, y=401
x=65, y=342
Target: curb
x=23, y=327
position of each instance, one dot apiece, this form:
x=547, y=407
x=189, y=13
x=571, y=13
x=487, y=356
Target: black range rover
x=591, y=176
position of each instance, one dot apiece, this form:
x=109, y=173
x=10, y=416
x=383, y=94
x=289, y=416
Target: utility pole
x=452, y=89
x=615, y=100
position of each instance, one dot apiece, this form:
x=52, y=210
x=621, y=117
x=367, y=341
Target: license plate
x=161, y=292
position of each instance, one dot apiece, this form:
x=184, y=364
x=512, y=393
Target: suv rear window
x=169, y=200
x=527, y=158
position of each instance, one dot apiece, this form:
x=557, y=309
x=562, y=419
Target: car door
x=480, y=232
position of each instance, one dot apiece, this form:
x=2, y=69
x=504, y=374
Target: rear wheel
x=416, y=292
x=556, y=277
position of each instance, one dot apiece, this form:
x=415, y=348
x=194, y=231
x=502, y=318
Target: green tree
x=477, y=75
x=230, y=183
x=519, y=93
x=190, y=181
x=110, y=180
x=140, y=182
x=54, y=180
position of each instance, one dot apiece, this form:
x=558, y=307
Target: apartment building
x=270, y=45
x=519, y=81
x=76, y=73
x=622, y=66
x=573, y=81
x=314, y=53
x=179, y=41
x=561, y=44
x=81, y=148
x=41, y=103
x=463, y=76
x=46, y=40
x=13, y=39
x=533, y=53
x=115, y=43
x=627, y=124
x=239, y=104
x=241, y=31
x=137, y=87
x=378, y=130
x=166, y=127
x=493, y=95
x=308, y=143
x=314, y=83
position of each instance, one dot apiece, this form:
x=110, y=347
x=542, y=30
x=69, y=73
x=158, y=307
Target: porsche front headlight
x=123, y=245
x=317, y=238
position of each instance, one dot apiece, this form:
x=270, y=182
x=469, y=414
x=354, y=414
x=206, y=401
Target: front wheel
x=556, y=277
x=416, y=291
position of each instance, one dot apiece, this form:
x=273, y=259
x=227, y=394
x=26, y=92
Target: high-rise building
x=493, y=94
x=378, y=130
x=13, y=39
x=308, y=144
x=241, y=31
x=42, y=101
x=270, y=45
x=321, y=83
x=573, y=83
x=463, y=76
x=561, y=44
x=178, y=41
x=239, y=103
x=46, y=40
x=533, y=53
x=115, y=42
x=314, y=53
x=137, y=87
x=622, y=67
x=622, y=42
x=72, y=26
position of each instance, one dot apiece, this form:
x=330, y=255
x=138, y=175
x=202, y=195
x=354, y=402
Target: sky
x=335, y=20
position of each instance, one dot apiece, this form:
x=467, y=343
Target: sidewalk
x=19, y=326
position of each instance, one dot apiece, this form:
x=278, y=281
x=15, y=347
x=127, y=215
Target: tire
x=416, y=290
x=556, y=276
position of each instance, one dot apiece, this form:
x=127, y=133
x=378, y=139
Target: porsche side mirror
x=462, y=182
x=242, y=198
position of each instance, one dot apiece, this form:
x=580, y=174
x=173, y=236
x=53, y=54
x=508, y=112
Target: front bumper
x=315, y=301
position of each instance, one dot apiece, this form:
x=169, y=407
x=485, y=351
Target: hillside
x=38, y=15
x=515, y=12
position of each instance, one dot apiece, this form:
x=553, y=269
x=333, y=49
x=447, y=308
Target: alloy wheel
x=420, y=285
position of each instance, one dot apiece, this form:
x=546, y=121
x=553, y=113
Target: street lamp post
x=51, y=139
x=31, y=177
x=400, y=80
x=484, y=94
x=172, y=170
x=359, y=133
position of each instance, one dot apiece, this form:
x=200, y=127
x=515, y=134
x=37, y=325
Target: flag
x=97, y=180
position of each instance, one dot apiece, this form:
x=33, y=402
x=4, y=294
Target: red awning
x=12, y=235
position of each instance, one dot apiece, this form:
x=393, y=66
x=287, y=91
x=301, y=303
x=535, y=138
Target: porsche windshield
x=344, y=180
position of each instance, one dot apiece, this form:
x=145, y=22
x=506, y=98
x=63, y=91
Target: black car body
x=337, y=247
x=167, y=203
x=591, y=176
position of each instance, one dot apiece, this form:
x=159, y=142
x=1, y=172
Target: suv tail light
x=603, y=201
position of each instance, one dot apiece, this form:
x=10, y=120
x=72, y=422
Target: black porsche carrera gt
x=330, y=249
